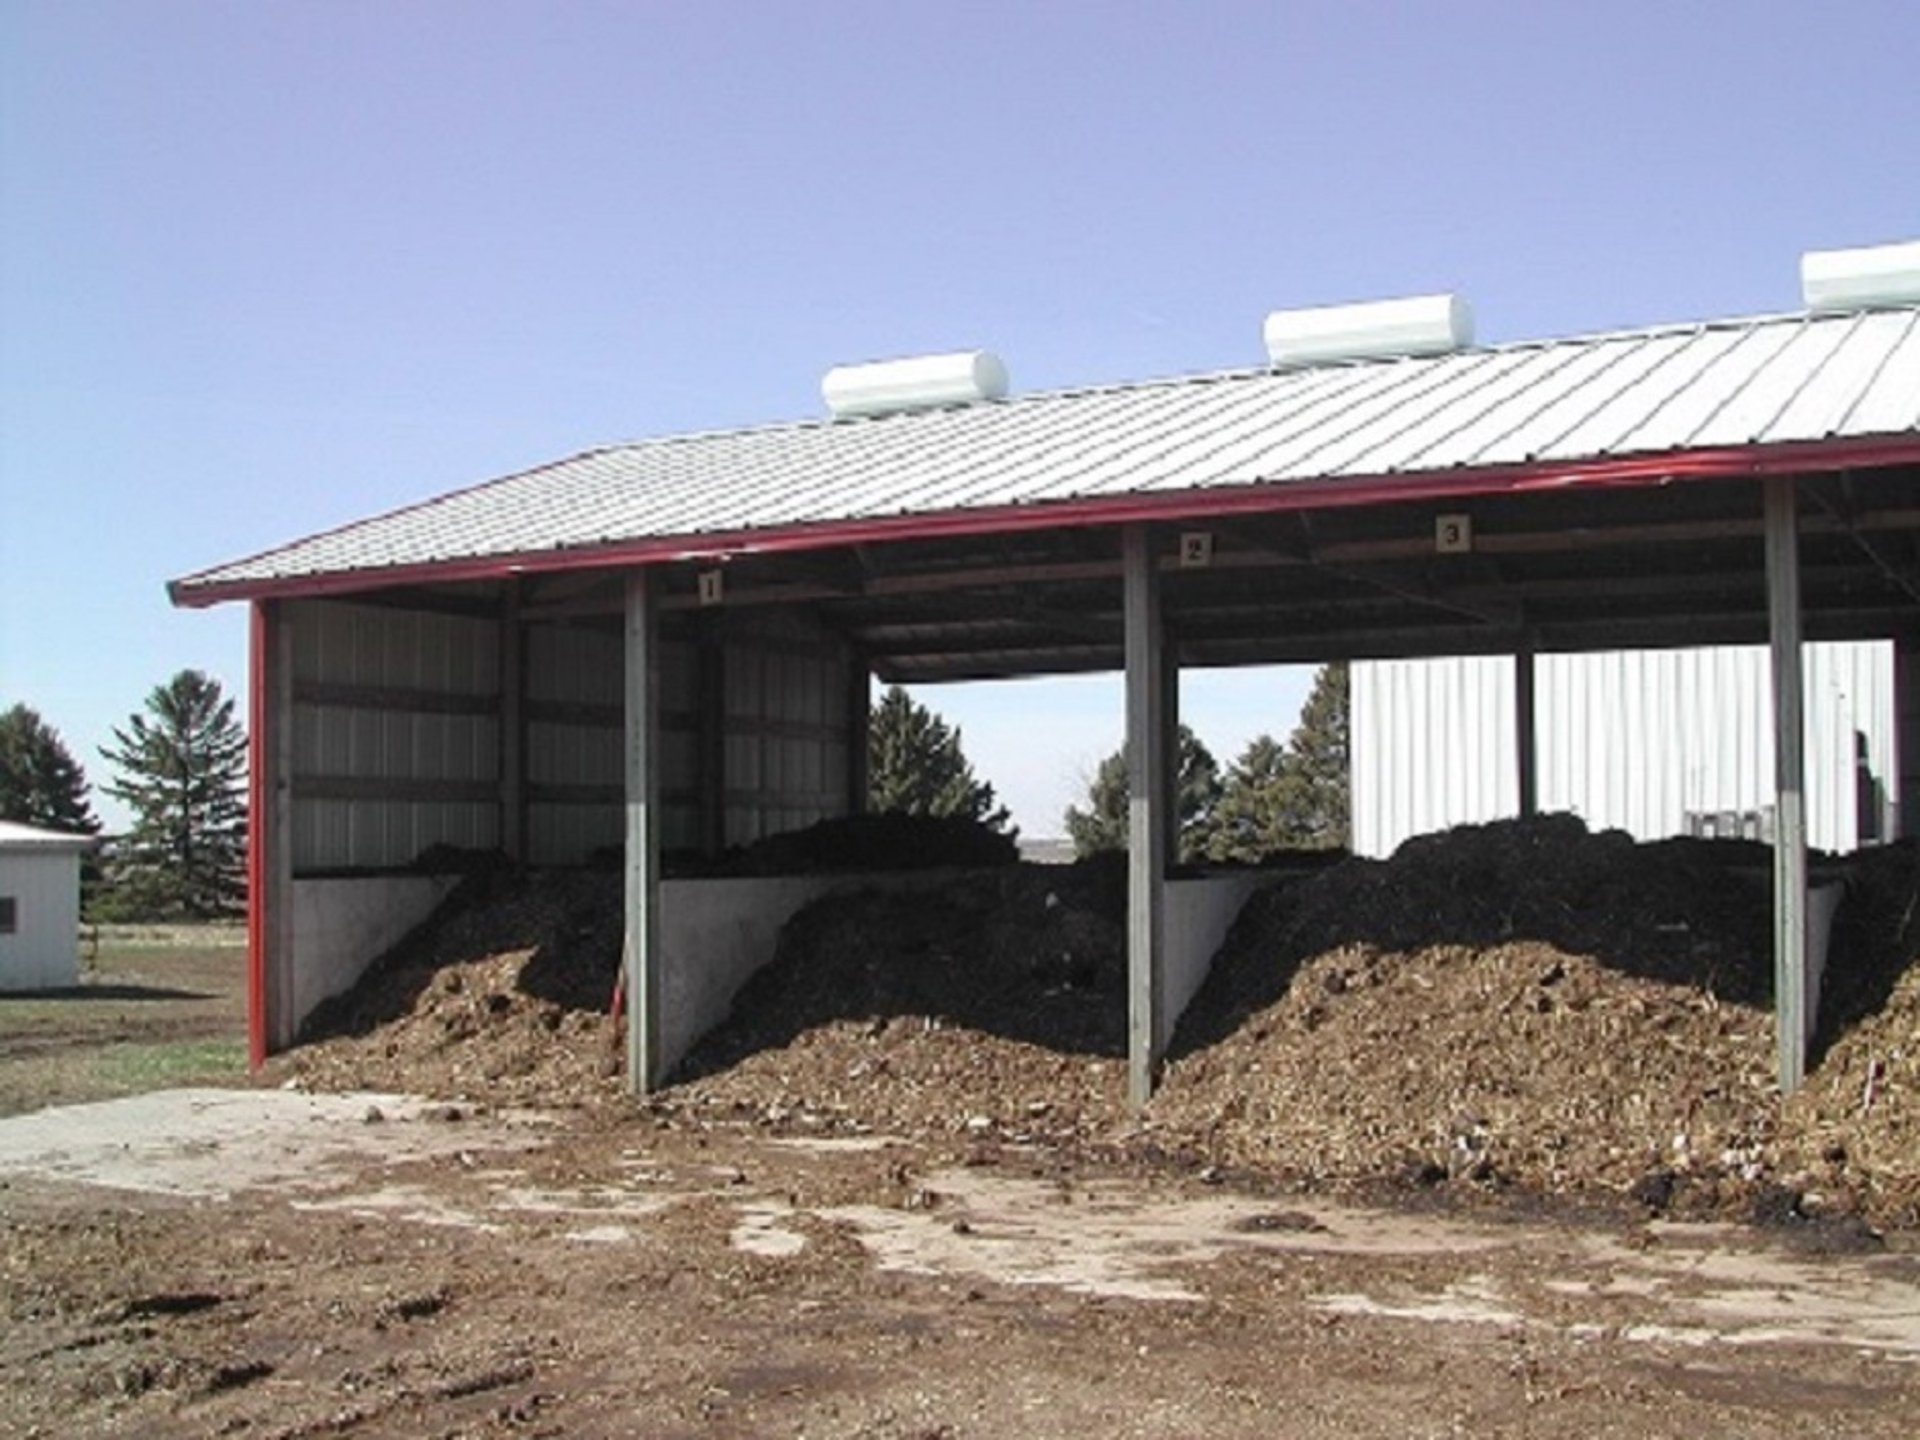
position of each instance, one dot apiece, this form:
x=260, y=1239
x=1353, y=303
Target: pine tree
x=1248, y=823
x=1103, y=824
x=181, y=772
x=1293, y=797
x=1314, y=799
x=915, y=766
x=40, y=781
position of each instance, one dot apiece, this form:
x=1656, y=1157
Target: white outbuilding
x=39, y=906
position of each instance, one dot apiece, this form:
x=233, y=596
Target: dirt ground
x=270, y=1263
x=898, y=1195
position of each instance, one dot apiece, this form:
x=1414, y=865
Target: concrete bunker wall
x=1199, y=913
x=715, y=934
x=341, y=925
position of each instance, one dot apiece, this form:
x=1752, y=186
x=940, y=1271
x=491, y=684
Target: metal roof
x=15, y=836
x=1802, y=390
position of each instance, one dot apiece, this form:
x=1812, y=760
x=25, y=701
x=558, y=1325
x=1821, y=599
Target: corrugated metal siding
x=1852, y=719
x=1773, y=380
x=581, y=669
x=390, y=655
x=576, y=765
x=787, y=731
x=397, y=743
x=1654, y=742
x=1433, y=746
x=785, y=735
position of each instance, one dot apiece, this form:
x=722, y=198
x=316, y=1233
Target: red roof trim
x=1324, y=494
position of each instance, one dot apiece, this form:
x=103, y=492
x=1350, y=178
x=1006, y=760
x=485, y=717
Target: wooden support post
x=1526, y=743
x=1146, y=799
x=642, y=871
x=1789, y=815
x=513, y=728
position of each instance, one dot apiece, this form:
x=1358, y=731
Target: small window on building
x=9, y=915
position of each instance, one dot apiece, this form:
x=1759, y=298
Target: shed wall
x=1432, y=745
x=1654, y=742
x=396, y=734
x=43, y=951
x=576, y=741
x=788, y=732
x=399, y=741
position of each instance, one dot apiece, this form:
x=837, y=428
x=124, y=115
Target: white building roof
x=17, y=837
x=1743, y=394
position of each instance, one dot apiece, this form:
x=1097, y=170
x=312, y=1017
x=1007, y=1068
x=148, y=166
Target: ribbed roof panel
x=1772, y=380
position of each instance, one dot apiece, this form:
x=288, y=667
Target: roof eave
x=1657, y=468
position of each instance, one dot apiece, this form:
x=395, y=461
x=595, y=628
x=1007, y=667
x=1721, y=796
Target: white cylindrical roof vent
x=1418, y=325
x=921, y=382
x=1859, y=279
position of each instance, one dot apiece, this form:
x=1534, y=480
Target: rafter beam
x=1843, y=515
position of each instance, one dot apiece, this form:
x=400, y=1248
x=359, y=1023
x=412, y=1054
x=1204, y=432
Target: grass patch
x=213, y=934
x=131, y=1069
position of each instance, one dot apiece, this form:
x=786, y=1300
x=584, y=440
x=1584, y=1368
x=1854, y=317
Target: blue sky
x=266, y=267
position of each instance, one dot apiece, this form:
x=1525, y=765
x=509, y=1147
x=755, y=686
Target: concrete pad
x=215, y=1143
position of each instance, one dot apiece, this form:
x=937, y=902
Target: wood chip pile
x=1521, y=1006
x=1854, y=1128
x=1526, y=1004
x=993, y=1005
x=502, y=996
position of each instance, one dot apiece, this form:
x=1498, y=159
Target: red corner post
x=258, y=749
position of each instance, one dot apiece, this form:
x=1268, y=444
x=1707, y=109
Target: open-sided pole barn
x=666, y=645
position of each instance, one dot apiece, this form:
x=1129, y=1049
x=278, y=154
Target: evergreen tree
x=1314, y=800
x=40, y=781
x=1293, y=797
x=915, y=766
x=1103, y=824
x=181, y=771
x=1248, y=821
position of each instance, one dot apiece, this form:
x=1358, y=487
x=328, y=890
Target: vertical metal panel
x=787, y=736
x=559, y=834
x=1433, y=746
x=341, y=644
x=574, y=666
x=1654, y=742
x=784, y=726
x=1853, y=734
